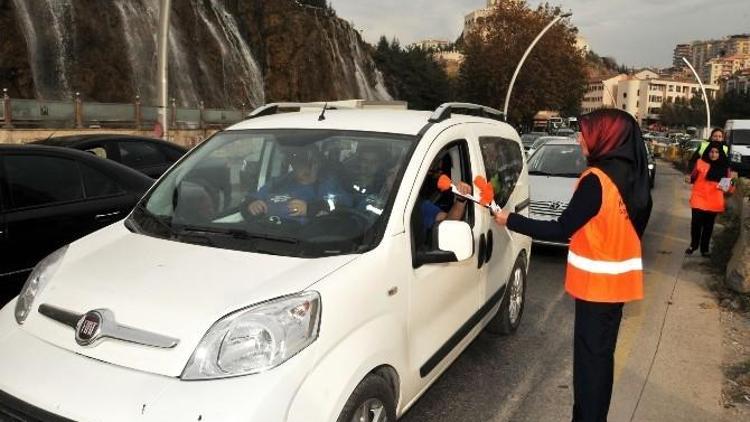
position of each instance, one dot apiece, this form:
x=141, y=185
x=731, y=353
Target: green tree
x=553, y=76
x=412, y=74
x=733, y=105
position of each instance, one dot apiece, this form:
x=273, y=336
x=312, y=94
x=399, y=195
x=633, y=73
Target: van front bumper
x=43, y=382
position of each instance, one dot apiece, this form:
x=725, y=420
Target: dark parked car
x=51, y=196
x=150, y=156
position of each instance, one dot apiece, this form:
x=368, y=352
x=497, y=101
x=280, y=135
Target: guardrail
x=22, y=113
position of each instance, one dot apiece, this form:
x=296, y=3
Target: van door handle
x=107, y=215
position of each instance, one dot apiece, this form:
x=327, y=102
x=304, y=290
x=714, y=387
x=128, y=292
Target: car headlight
x=651, y=166
x=256, y=339
x=736, y=157
x=36, y=282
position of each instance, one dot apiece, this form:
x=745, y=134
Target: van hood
x=165, y=287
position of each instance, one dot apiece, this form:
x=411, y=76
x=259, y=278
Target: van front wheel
x=371, y=401
x=508, y=317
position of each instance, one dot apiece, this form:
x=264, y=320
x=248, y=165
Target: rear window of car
x=141, y=154
x=98, y=184
x=40, y=180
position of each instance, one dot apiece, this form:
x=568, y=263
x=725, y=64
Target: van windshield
x=303, y=193
x=740, y=137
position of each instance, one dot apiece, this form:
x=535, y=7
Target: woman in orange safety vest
x=604, y=222
x=707, y=198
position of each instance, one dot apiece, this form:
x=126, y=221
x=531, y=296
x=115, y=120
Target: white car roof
x=408, y=122
x=561, y=140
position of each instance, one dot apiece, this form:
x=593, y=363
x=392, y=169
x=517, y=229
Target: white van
x=312, y=283
x=738, y=137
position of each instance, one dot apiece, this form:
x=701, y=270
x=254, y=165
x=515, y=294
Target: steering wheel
x=340, y=224
x=266, y=221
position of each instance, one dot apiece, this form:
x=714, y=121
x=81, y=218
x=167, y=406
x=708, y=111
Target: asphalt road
x=528, y=376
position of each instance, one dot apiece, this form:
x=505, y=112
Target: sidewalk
x=668, y=365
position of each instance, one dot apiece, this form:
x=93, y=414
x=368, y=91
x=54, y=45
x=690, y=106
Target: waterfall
x=235, y=51
x=47, y=29
x=138, y=17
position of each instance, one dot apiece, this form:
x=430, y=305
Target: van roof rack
x=446, y=110
x=291, y=107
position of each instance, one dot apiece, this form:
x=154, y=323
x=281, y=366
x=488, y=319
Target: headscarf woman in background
x=604, y=222
x=707, y=198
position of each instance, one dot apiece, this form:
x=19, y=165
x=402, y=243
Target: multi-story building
x=432, y=44
x=680, y=51
x=700, y=52
x=739, y=83
x=720, y=68
x=477, y=16
x=601, y=93
x=642, y=94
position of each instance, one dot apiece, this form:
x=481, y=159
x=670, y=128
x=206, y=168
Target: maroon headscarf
x=616, y=147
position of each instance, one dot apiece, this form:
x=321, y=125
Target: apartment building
x=432, y=44
x=600, y=93
x=739, y=83
x=720, y=68
x=700, y=52
x=642, y=94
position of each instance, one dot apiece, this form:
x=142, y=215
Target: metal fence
x=21, y=113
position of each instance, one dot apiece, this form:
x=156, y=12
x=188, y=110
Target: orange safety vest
x=604, y=259
x=706, y=194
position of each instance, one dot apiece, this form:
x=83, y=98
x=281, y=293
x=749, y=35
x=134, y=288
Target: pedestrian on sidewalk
x=707, y=198
x=717, y=135
x=604, y=222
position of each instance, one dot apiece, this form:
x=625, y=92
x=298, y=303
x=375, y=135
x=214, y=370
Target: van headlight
x=36, y=282
x=736, y=157
x=651, y=166
x=256, y=339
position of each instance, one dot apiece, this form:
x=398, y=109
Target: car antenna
x=323, y=113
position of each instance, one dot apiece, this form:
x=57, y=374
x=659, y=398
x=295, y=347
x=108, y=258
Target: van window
x=739, y=137
x=433, y=206
x=503, y=162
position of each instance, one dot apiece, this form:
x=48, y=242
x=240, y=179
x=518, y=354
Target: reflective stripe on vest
x=604, y=261
x=605, y=267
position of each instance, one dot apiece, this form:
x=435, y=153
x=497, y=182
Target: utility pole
x=525, y=55
x=163, y=58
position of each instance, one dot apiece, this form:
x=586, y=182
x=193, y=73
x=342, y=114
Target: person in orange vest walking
x=604, y=222
x=710, y=179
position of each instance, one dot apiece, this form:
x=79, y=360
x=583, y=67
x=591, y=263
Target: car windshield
x=740, y=137
x=558, y=160
x=304, y=193
x=528, y=139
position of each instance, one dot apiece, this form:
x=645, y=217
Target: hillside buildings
x=713, y=59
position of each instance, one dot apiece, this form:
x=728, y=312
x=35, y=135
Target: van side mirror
x=453, y=242
x=456, y=237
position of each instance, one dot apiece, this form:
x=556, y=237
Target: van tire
x=508, y=317
x=373, y=392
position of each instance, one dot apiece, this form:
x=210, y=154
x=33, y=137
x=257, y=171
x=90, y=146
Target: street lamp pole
x=163, y=58
x=525, y=55
x=703, y=89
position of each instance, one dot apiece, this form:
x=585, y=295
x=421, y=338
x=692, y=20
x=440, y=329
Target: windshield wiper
x=539, y=173
x=163, y=222
x=565, y=174
x=238, y=234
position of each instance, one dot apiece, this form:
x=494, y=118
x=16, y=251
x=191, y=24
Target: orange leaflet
x=444, y=183
x=486, y=191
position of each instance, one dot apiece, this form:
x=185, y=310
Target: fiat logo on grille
x=89, y=328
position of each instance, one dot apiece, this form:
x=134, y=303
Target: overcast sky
x=635, y=32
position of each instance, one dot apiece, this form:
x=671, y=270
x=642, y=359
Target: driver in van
x=302, y=193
